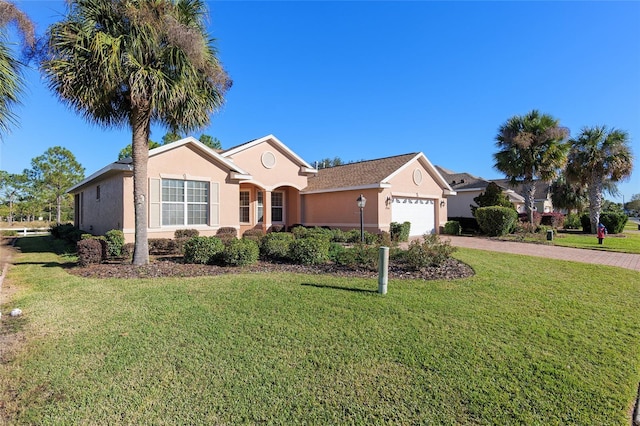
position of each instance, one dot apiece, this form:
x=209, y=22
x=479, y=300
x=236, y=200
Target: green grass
x=525, y=341
x=628, y=241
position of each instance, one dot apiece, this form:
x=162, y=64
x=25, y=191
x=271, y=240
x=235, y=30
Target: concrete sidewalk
x=622, y=260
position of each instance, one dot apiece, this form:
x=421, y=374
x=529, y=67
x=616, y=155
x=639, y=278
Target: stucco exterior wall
x=103, y=213
x=459, y=204
x=186, y=163
x=270, y=167
x=340, y=210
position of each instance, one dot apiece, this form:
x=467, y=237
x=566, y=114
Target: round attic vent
x=417, y=176
x=268, y=159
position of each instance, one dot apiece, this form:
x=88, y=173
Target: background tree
x=55, y=172
x=599, y=157
x=531, y=148
x=568, y=195
x=11, y=81
x=126, y=152
x=12, y=187
x=634, y=204
x=134, y=63
x=210, y=141
x=329, y=162
x=492, y=196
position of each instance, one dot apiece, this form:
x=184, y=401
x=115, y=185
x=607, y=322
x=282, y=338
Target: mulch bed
x=173, y=267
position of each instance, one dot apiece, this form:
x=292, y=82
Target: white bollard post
x=383, y=270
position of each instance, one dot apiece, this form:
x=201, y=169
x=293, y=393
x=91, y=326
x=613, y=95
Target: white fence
x=27, y=231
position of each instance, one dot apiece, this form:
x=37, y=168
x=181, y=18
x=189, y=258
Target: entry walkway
x=622, y=260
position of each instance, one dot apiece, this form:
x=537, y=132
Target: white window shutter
x=214, y=209
x=154, y=203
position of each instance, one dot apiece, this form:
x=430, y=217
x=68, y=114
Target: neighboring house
x=542, y=197
x=468, y=187
x=257, y=185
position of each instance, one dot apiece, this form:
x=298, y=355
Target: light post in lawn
x=361, y=203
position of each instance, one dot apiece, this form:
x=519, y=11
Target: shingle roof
x=363, y=173
x=461, y=181
x=542, y=188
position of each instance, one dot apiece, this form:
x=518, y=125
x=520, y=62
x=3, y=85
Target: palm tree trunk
x=140, y=123
x=530, y=198
x=595, y=200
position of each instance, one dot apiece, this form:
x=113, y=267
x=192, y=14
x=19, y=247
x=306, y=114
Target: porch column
x=266, y=218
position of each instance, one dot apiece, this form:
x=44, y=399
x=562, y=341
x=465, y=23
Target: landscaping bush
x=61, y=230
x=177, y=246
x=227, y=230
x=309, y=250
x=202, y=250
x=253, y=234
x=468, y=224
x=315, y=232
x=614, y=222
x=585, y=222
x=452, y=228
x=554, y=220
x=352, y=236
x=400, y=231
x=432, y=251
x=161, y=246
x=240, y=252
x=336, y=250
x=115, y=241
x=360, y=255
x=495, y=221
x=9, y=233
x=186, y=233
x=338, y=235
x=524, y=217
x=277, y=228
x=572, y=221
x=127, y=251
x=89, y=252
x=275, y=245
x=384, y=239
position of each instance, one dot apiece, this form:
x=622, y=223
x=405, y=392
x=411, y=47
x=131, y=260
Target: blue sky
x=369, y=79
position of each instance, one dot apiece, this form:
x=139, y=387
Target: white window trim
x=283, y=207
x=248, y=207
x=185, y=203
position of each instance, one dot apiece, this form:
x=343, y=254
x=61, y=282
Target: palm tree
x=10, y=77
x=531, y=148
x=568, y=195
x=133, y=63
x=599, y=157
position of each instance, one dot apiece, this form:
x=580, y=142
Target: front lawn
x=628, y=241
x=526, y=340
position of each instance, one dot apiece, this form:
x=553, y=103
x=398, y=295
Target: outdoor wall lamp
x=361, y=203
x=442, y=203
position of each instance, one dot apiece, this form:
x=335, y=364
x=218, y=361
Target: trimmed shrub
x=495, y=221
x=338, y=236
x=227, y=230
x=585, y=222
x=89, y=252
x=277, y=228
x=309, y=251
x=468, y=224
x=315, y=232
x=127, y=251
x=202, y=250
x=614, y=222
x=336, y=250
x=9, y=233
x=275, y=245
x=352, y=236
x=554, y=220
x=161, y=245
x=240, y=252
x=432, y=251
x=115, y=241
x=400, y=231
x=524, y=217
x=360, y=255
x=572, y=221
x=452, y=228
x=186, y=233
x=384, y=239
x=253, y=234
x=61, y=230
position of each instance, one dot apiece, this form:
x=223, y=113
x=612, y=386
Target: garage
x=419, y=211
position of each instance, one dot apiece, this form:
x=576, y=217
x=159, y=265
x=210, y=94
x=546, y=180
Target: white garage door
x=419, y=211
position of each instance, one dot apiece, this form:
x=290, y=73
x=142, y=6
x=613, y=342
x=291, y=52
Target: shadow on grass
x=335, y=287
x=45, y=244
x=64, y=265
